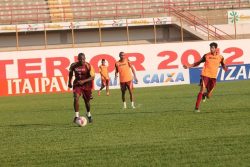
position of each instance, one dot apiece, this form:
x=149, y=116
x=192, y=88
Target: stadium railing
x=75, y=10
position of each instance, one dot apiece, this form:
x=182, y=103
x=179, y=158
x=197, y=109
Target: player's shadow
x=133, y=111
x=30, y=125
x=36, y=125
x=234, y=94
x=174, y=97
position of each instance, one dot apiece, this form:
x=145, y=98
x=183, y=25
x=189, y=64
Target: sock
x=132, y=104
x=88, y=114
x=198, y=101
x=77, y=114
x=124, y=105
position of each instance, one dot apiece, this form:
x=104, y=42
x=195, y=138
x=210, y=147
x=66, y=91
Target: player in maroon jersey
x=82, y=85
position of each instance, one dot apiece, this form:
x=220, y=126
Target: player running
x=82, y=85
x=124, y=68
x=103, y=69
x=212, y=62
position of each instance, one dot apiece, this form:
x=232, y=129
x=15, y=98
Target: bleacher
x=45, y=11
x=23, y=11
x=21, y=21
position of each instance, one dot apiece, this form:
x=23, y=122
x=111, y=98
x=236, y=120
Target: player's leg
x=92, y=88
x=77, y=94
x=86, y=94
x=123, y=90
x=102, y=86
x=200, y=94
x=130, y=89
x=211, y=86
x=204, y=96
x=107, y=87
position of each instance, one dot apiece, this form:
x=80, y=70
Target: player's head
x=213, y=47
x=103, y=62
x=122, y=55
x=81, y=58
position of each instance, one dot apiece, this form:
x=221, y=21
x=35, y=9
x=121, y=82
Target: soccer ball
x=81, y=121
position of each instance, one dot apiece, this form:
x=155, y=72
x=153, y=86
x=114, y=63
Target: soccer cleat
x=204, y=98
x=74, y=120
x=196, y=110
x=99, y=93
x=107, y=93
x=133, y=107
x=90, y=120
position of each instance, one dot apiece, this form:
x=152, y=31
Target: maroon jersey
x=81, y=72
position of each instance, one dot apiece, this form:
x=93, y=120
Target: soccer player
x=82, y=85
x=103, y=69
x=124, y=68
x=212, y=62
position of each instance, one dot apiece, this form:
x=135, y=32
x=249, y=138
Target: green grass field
x=37, y=130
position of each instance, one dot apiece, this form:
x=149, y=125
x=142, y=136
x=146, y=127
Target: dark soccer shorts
x=126, y=85
x=105, y=82
x=208, y=83
x=81, y=91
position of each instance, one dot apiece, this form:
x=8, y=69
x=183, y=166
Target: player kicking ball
x=82, y=85
x=212, y=62
x=103, y=69
x=124, y=68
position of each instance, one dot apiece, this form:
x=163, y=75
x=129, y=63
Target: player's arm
x=70, y=76
x=133, y=71
x=223, y=65
x=116, y=71
x=92, y=75
x=202, y=60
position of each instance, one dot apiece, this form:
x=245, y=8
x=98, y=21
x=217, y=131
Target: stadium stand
x=28, y=11
x=23, y=11
x=195, y=17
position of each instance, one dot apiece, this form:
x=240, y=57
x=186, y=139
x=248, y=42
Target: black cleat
x=204, y=97
x=74, y=120
x=90, y=119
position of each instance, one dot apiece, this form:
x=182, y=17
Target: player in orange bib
x=103, y=69
x=212, y=62
x=124, y=68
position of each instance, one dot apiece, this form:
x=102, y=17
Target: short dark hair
x=121, y=53
x=103, y=59
x=81, y=54
x=213, y=44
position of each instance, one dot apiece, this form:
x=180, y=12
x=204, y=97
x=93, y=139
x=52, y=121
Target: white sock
x=124, y=105
x=132, y=104
x=88, y=114
x=77, y=114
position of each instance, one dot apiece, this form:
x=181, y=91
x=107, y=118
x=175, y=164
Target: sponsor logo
x=36, y=85
x=234, y=73
x=238, y=72
x=163, y=78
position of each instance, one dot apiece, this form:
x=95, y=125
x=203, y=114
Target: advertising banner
x=46, y=71
x=234, y=73
x=85, y=24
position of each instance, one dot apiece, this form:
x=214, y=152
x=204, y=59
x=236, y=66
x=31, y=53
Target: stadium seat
x=13, y=12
